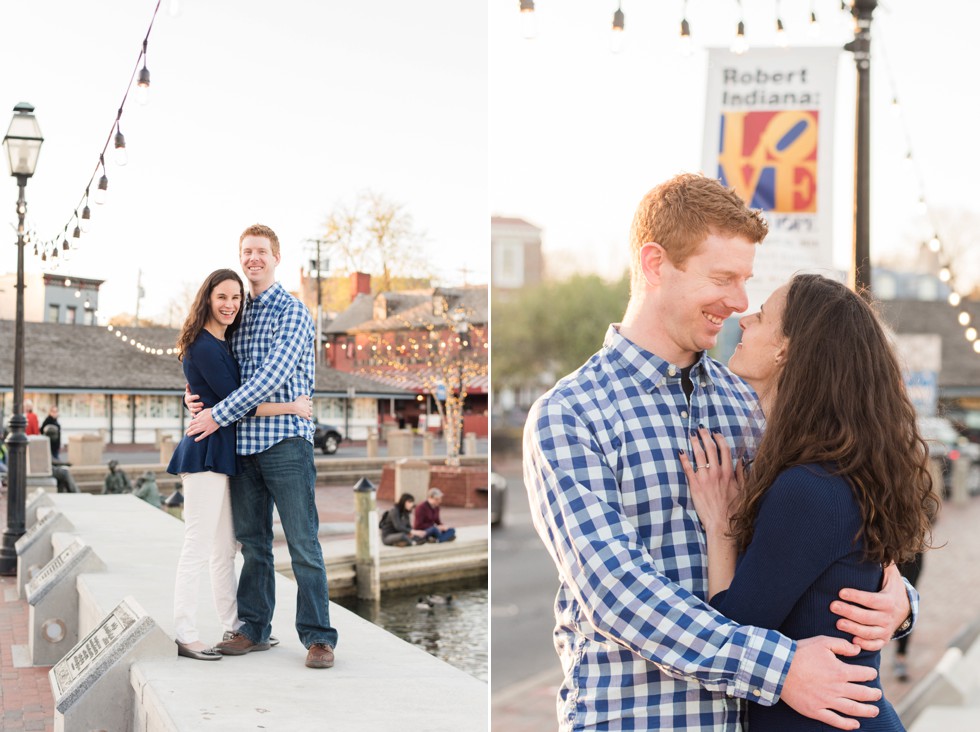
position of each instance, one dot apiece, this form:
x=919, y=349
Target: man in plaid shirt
x=640, y=647
x=274, y=348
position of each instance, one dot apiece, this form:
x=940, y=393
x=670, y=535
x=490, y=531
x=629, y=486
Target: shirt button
x=684, y=415
x=756, y=692
x=671, y=370
x=704, y=383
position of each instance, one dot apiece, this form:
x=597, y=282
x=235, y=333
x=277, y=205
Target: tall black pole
x=319, y=306
x=459, y=429
x=861, y=46
x=17, y=439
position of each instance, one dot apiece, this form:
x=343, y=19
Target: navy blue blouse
x=212, y=373
x=803, y=552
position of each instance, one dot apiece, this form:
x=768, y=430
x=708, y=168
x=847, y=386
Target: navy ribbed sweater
x=803, y=552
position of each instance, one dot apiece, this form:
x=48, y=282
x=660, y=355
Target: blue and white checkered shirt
x=275, y=351
x=640, y=647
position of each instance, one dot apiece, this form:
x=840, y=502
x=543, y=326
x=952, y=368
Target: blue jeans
x=440, y=536
x=284, y=475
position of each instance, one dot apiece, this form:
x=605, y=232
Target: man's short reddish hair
x=680, y=213
x=260, y=230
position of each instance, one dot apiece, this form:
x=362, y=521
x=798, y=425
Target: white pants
x=208, y=536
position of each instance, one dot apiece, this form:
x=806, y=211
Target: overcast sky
x=579, y=134
x=259, y=111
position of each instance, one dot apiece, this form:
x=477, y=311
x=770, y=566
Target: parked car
x=949, y=447
x=327, y=438
x=498, y=497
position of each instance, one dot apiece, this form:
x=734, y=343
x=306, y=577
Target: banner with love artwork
x=769, y=124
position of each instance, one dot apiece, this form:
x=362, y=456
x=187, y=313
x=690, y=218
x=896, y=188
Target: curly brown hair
x=841, y=400
x=200, y=311
x=681, y=212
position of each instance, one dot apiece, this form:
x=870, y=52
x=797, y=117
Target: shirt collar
x=647, y=368
x=266, y=297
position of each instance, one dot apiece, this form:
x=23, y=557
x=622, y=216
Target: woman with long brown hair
x=838, y=488
x=205, y=465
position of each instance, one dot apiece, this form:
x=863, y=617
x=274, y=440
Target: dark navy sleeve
x=798, y=534
x=216, y=367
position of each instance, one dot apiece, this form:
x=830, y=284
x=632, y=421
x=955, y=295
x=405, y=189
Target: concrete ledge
x=954, y=681
x=376, y=674
x=947, y=719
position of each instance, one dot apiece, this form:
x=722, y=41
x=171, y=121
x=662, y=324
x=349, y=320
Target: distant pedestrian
x=427, y=518
x=52, y=429
x=116, y=480
x=396, y=524
x=910, y=570
x=33, y=428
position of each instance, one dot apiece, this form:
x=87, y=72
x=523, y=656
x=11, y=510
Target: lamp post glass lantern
x=23, y=145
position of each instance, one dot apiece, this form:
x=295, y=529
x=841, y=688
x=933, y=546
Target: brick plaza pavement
x=950, y=603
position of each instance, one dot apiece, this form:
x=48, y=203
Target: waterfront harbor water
x=456, y=632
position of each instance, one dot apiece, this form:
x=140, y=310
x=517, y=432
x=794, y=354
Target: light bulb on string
x=934, y=245
x=686, y=47
x=174, y=8
x=971, y=334
x=954, y=299
x=143, y=82
x=814, y=28
x=122, y=157
x=740, y=45
x=617, y=40
x=945, y=275
x=964, y=318
x=101, y=191
x=976, y=346
x=529, y=23
x=920, y=206
x=86, y=220
x=781, y=34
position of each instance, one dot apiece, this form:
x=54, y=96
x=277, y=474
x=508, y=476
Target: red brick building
x=409, y=338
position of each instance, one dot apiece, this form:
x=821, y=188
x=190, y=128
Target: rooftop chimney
x=360, y=284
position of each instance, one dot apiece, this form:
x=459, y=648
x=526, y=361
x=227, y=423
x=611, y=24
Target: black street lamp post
x=861, y=47
x=23, y=143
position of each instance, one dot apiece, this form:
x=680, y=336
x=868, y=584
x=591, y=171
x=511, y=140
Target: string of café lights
x=946, y=273
x=81, y=216
x=739, y=45
x=50, y=250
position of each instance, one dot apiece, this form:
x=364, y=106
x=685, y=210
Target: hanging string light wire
x=49, y=247
x=140, y=346
x=935, y=244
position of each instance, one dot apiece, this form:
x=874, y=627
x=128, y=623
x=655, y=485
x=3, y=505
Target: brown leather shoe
x=239, y=645
x=320, y=656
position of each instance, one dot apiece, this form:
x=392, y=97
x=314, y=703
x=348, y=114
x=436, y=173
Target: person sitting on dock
x=396, y=524
x=427, y=518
